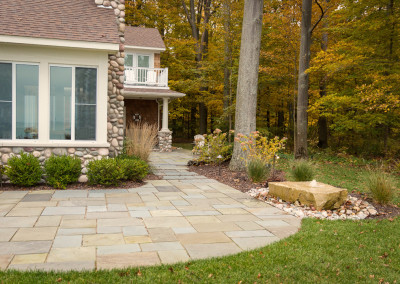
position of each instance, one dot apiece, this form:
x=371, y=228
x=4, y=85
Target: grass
x=187, y=146
x=342, y=173
x=321, y=252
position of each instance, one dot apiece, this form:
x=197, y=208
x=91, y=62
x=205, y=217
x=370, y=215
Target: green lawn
x=322, y=252
x=187, y=146
x=340, y=172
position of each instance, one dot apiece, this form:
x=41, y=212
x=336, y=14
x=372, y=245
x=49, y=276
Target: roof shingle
x=143, y=37
x=58, y=19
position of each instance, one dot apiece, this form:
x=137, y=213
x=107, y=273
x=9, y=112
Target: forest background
x=354, y=89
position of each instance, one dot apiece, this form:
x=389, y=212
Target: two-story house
x=73, y=76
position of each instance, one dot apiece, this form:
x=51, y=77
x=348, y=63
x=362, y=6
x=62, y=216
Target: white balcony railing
x=149, y=77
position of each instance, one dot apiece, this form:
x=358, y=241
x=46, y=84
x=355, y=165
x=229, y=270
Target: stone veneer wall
x=165, y=141
x=116, y=62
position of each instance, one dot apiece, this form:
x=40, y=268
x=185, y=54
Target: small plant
x=133, y=168
x=2, y=170
x=302, y=170
x=61, y=171
x=381, y=186
x=105, y=172
x=214, y=145
x=24, y=170
x=140, y=140
x=257, y=170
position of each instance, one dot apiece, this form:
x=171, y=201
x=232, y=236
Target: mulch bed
x=240, y=181
x=79, y=186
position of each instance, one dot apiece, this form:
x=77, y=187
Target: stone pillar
x=165, y=115
x=116, y=62
x=165, y=141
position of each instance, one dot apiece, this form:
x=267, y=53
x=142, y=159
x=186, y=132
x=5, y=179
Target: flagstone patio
x=183, y=216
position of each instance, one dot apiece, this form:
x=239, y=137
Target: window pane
x=27, y=101
x=5, y=100
x=5, y=82
x=129, y=60
x=60, y=102
x=85, y=122
x=143, y=61
x=85, y=85
x=5, y=120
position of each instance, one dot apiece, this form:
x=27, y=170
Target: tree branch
x=320, y=18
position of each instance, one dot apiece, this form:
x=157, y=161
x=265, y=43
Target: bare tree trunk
x=322, y=121
x=302, y=97
x=246, y=99
x=203, y=118
x=227, y=61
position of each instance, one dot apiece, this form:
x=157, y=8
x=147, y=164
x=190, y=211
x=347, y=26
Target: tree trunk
x=246, y=99
x=322, y=121
x=302, y=99
x=203, y=118
x=227, y=62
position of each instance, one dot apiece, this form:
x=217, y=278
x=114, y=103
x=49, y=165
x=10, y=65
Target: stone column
x=165, y=135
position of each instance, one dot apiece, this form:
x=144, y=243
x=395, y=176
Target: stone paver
x=180, y=217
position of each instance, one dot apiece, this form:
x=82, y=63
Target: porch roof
x=152, y=93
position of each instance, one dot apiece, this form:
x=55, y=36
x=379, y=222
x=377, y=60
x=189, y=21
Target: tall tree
x=198, y=17
x=302, y=89
x=227, y=62
x=246, y=98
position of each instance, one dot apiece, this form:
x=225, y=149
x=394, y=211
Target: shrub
x=259, y=147
x=257, y=170
x=24, y=170
x=2, y=170
x=104, y=172
x=140, y=140
x=133, y=168
x=213, y=145
x=302, y=170
x=381, y=186
x=61, y=171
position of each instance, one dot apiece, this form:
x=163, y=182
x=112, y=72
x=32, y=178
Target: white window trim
x=135, y=58
x=73, y=87
x=14, y=99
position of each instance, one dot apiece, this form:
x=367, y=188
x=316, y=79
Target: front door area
x=141, y=111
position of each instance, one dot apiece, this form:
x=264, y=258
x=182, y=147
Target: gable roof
x=143, y=37
x=57, y=19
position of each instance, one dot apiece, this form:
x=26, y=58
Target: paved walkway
x=184, y=216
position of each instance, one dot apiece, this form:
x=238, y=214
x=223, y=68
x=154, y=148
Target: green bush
x=213, y=145
x=302, y=170
x=24, y=170
x=257, y=170
x=105, y=172
x=133, y=169
x=61, y=171
x=381, y=186
x=2, y=170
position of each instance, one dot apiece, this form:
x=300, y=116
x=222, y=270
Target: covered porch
x=151, y=105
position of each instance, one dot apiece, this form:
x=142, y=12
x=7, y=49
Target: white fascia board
x=145, y=47
x=59, y=42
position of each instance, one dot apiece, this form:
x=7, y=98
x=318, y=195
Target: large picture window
x=19, y=101
x=73, y=98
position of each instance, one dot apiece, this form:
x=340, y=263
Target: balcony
x=146, y=77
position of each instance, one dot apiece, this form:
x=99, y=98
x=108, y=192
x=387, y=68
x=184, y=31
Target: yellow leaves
x=260, y=147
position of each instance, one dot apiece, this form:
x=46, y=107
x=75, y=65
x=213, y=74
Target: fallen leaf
x=210, y=275
x=139, y=273
x=372, y=276
x=171, y=269
x=59, y=279
x=259, y=275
